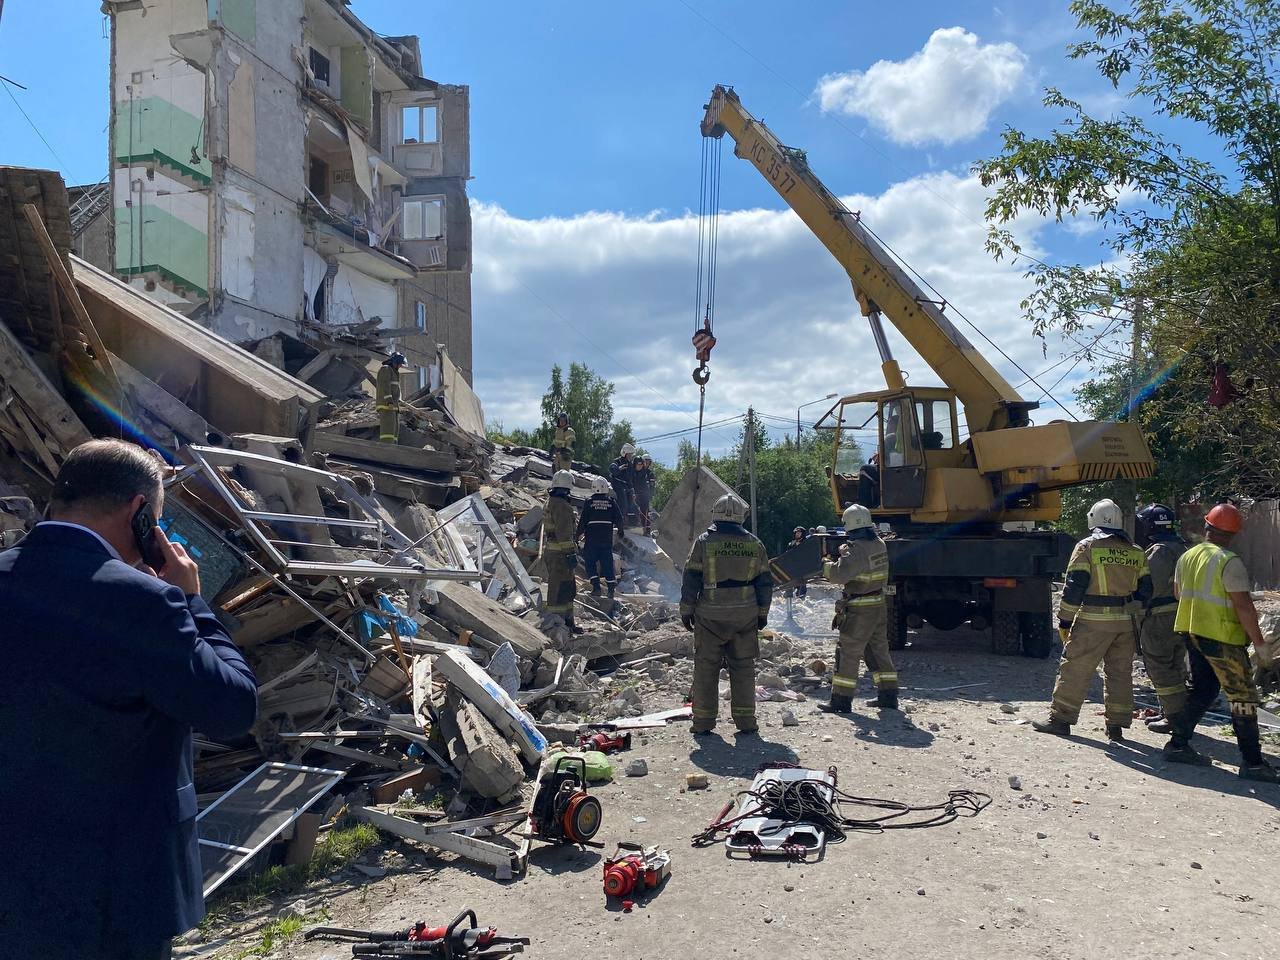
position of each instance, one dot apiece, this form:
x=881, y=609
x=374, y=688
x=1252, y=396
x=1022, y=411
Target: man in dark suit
x=107, y=667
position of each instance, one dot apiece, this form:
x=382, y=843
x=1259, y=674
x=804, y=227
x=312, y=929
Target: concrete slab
x=688, y=512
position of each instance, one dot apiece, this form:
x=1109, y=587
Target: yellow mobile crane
x=947, y=499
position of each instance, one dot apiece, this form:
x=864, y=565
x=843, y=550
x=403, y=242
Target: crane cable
x=704, y=305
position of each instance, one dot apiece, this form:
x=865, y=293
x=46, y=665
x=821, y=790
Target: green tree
x=1192, y=238
x=588, y=400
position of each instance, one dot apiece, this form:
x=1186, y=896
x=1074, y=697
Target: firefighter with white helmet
x=560, y=548
x=863, y=572
x=724, y=600
x=600, y=516
x=620, y=476
x=1108, y=581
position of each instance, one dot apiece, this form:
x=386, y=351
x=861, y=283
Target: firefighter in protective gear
x=388, y=401
x=600, y=517
x=724, y=600
x=562, y=445
x=620, y=472
x=559, y=549
x=1163, y=651
x=863, y=571
x=1107, y=582
x=1218, y=618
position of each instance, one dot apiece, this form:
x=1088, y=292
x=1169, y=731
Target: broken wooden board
x=26, y=282
x=388, y=454
x=19, y=373
x=234, y=390
x=467, y=608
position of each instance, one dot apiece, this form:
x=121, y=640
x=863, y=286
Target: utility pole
x=1129, y=488
x=751, y=466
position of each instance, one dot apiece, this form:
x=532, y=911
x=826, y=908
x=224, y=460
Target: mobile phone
x=144, y=526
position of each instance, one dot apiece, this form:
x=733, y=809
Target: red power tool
x=605, y=742
x=635, y=868
x=451, y=942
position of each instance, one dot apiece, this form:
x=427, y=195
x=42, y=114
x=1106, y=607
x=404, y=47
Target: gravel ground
x=1099, y=850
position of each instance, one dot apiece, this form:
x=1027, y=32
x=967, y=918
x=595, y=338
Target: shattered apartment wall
x=441, y=170
x=160, y=173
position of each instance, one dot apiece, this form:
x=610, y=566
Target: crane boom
x=879, y=284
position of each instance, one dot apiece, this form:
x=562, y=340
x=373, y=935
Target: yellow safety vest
x=1204, y=608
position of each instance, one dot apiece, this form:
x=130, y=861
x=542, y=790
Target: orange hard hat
x=1226, y=518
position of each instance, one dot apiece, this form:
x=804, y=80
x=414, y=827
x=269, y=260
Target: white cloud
x=617, y=292
x=943, y=93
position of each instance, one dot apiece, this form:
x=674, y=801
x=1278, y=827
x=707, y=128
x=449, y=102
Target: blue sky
x=585, y=152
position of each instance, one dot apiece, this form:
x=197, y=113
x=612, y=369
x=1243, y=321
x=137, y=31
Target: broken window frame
x=248, y=853
x=317, y=60
x=475, y=513
x=419, y=110
x=416, y=229
x=391, y=540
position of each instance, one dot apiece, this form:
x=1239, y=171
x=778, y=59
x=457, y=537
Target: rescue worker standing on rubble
x=562, y=444
x=642, y=488
x=724, y=600
x=600, y=517
x=559, y=549
x=863, y=571
x=1163, y=651
x=620, y=474
x=388, y=402
x=1217, y=616
x=1107, y=581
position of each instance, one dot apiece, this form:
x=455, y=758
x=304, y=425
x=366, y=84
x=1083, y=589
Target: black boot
x=839, y=703
x=1059, y=728
x=1179, y=749
x=1115, y=733
x=612, y=588
x=1252, y=766
x=573, y=627
x=885, y=700
x=1160, y=725
x=595, y=587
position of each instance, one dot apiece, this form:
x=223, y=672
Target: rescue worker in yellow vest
x=560, y=549
x=1163, y=651
x=1218, y=618
x=1107, y=582
x=863, y=571
x=724, y=600
x=388, y=401
x=562, y=445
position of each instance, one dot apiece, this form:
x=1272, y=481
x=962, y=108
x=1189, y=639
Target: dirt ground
x=1105, y=851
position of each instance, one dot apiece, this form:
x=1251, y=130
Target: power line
x=31, y=123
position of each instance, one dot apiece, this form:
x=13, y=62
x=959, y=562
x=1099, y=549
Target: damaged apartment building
x=286, y=177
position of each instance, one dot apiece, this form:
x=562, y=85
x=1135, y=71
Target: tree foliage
x=588, y=400
x=1192, y=238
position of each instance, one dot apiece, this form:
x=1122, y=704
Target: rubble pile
x=387, y=595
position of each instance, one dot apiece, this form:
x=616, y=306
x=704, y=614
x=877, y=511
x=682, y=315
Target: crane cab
x=901, y=454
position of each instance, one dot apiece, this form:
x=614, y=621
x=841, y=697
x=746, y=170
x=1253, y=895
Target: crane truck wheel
x=1006, y=633
x=897, y=623
x=1038, y=635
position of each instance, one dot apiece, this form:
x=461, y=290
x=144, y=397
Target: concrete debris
x=637, y=768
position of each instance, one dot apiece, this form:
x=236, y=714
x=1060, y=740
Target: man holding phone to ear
x=110, y=661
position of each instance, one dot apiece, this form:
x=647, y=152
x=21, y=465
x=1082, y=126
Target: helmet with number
x=1225, y=518
x=601, y=485
x=1105, y=514
x=729, y=508
x=562, y=480
x=1154, y=522
x=628, y=448
x=857, y=517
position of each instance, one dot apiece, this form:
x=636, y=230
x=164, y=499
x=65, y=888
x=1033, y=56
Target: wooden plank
x=33, y=439
x=161, y=404
x=28, y=381
x=67, y=287
x=377, y=452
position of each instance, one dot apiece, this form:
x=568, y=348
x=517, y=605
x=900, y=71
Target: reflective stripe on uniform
x=884, y=676
x=565, y=546
x=1204, y=607
x=742, y=711
x=1171, y=690
x=865, y=600
x=843, y=682
x=703, y=714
